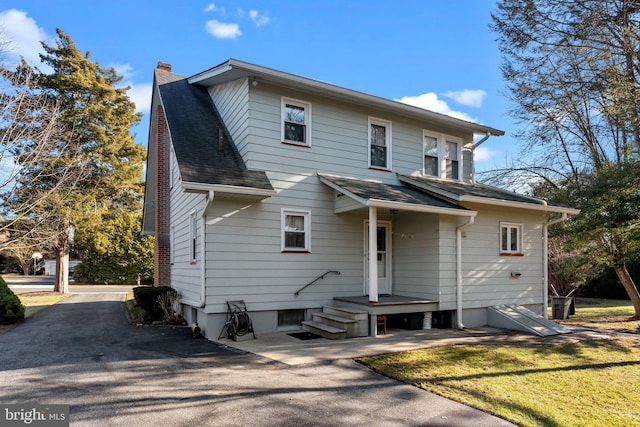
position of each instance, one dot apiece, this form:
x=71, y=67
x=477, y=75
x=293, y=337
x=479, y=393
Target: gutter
x=459, y=229
x=203, y=249
x=202, y=300
x=545, y=262
x=484, y=138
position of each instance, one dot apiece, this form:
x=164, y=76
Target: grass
x=588, y=383
x=613, y=315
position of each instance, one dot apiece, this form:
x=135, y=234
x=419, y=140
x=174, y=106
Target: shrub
x=147, y=298
x=11, y=309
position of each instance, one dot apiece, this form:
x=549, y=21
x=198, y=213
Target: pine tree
x=96, y=166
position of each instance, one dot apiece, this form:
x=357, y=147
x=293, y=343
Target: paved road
x=83, y=352
x=19, y=284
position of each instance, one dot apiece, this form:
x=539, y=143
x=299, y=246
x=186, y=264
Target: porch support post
x=373, y=254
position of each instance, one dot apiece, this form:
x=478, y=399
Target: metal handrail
x=336, y=272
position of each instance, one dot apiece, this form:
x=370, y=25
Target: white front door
x=383, y=255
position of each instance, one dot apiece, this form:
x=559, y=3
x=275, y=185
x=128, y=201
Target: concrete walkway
x=283, y=348
x=83, y=352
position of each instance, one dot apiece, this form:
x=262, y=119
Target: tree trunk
x=629, y=286
x=62, y=265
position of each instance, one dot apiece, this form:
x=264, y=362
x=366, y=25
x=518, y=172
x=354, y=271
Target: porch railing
x=322, y=276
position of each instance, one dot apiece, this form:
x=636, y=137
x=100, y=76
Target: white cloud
x=468, y=97
x=258, y=18
x=223, y=30
x=23, y=37
x=124, y=70
x=140, y=94
x=483, y=153
x=430, y=101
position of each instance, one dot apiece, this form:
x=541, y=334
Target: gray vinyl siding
x=339, y=141
x=185, y=276
x=416, y=256
x=487, y=275
x=244, y=257
x=231, y=100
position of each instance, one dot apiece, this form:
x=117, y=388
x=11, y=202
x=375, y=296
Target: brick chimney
x=164, y=66
x=162, y=249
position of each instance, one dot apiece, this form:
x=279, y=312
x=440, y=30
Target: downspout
x=473, y=147
x=545, y=262
x=203, y=251
x=459, y=229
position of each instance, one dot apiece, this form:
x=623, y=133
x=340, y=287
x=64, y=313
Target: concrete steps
x=338, y=323
x=324, y=330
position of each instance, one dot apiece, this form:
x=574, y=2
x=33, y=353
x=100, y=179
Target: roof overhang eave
x=234, y=69
x=520, y=205
x=229, y=190
x=411, y=207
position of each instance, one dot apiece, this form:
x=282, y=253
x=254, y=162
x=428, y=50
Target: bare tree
x=572, y=69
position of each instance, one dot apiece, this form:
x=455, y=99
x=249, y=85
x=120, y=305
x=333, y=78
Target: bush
x=147, y=298
x=11, y=309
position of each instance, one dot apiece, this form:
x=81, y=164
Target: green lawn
x=591, y=383
x=588, y=383
x=603, y=314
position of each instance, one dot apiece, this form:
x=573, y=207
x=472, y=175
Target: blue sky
x=438, y=54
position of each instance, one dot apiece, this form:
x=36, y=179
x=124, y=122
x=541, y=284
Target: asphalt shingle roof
x=458, y=189
x=194, y=124
x=393, y=193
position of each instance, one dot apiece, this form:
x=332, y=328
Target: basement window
x=290, y=317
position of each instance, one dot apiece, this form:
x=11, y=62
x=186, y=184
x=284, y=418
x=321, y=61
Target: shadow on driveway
x=83, y=352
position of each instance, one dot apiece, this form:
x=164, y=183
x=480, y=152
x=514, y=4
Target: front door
x=383, y=255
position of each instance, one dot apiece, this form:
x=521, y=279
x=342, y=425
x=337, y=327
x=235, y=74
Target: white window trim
x=442, y=149
x=509, y=226
x=307, y=229
x=193, y=237
x=307, y=120
x=388, y=142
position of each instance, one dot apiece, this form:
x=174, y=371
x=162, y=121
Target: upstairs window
x=296, y=231
x=379, y=144
x=441, y=156
x=510, y=239
x=431, y=156
x=296, y=124
x=451, y=160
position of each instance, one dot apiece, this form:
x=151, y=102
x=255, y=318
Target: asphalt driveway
x=83, y=352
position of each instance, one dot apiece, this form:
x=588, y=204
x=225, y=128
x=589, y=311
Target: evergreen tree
x=96, y=166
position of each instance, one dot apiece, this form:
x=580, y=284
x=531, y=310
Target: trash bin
x=413, y=321
x=560, y=307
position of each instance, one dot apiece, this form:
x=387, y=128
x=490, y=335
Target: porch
x=387, y=304
x=356, y=316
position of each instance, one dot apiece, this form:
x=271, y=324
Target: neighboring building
x=259, y=182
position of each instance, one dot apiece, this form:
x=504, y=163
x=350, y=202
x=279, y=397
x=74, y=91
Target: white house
x=260, y=182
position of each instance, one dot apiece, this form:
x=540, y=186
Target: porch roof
x=401, y=197
x=458, y=191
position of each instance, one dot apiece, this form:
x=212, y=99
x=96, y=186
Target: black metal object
x=336, y=272
x=238, y=321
